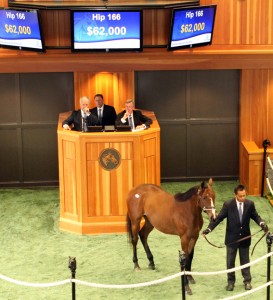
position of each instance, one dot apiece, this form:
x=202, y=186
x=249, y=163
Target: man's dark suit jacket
x=234, y=229
x=109, y=115
x=76, y=119
x=139, y=119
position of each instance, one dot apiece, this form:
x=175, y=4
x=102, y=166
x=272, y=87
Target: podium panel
x=96, y=172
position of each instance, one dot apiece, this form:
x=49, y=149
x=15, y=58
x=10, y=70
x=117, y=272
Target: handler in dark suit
x=81, y=118
x=106, y=114
x=134, y=118
x=237, y=228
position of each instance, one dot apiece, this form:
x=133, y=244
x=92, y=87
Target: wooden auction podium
x=96, y=172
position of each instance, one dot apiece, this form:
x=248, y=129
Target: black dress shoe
x=230, y=287
x=248, y=286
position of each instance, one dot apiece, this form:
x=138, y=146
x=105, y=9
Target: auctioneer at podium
x=96, y=172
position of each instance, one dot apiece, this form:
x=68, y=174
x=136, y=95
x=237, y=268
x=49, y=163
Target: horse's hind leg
x=133, y=229
x=143, y=234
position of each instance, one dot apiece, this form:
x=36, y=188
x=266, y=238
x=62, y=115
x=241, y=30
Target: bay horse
x=179, y=214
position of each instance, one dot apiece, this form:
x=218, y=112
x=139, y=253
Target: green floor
x=33, y=249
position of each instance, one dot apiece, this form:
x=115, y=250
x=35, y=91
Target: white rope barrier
x=127, y=286
x=42, y=285
x=267, y=179
x=135, y=285
x=270, y=162
x=233, y=269
x=269, y=185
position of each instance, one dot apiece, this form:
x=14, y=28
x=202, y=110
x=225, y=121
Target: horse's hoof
x=191, y=279
x=151, y=266
x=188, y=290
x=137, y=269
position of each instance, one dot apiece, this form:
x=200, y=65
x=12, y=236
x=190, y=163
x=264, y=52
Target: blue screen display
x=192, y=27
x=20, y=29
x=106, y=30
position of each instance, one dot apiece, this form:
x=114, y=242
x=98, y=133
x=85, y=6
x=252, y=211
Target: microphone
x=84, y=116
x=83, y=122
x=86, y=111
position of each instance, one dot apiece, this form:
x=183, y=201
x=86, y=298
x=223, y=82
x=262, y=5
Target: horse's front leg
x=190, y=258
x=185, y=248
x=188, y=266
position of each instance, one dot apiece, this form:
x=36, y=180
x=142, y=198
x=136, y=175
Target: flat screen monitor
x=21, y=30
x=191, y=27
x=123, y=128
x=94, y=128
x=106, y=30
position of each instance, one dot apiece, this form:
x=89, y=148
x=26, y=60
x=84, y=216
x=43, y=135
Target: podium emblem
x=109, y=159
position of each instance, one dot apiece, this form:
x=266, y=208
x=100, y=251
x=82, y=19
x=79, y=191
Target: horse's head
x=207, y=199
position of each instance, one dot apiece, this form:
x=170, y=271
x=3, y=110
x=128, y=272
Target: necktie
x=99, y=115
x=130, y=122
x=240, y=212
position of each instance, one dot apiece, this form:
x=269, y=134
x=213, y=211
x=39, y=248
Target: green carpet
x=33, y=249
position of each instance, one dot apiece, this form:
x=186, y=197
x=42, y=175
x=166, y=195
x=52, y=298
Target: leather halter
x=201, y=200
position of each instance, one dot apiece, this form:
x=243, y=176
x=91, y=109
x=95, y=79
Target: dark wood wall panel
x=40, y=158
x=30, y=106
x=10, y=159
x=214, y=94
x=163, y=92
x=9, y=156
x=173, y=147
x=198, y=112
x=9, y=96
x=213, y=150
x=45, y=95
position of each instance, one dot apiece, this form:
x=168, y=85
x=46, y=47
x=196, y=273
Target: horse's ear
x=210, y=182
x=203, y=185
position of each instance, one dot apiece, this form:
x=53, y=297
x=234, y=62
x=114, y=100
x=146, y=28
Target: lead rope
x=258, y=241
x=242, y=239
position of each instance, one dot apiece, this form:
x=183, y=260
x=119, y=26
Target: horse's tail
x=129, y=229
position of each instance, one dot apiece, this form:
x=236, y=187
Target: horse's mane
x=187, y=195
